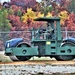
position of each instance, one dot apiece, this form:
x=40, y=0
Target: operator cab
x=48, y=32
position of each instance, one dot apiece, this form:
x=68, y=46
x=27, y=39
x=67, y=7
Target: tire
x=65, y=57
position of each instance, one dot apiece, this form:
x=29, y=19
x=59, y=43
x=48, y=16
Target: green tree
x=19, y=13
x=4, y=22
x=71, y=6
x=10, y=11
x=45, y=7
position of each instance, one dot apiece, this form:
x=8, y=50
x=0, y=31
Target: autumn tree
x=63, y=16
x=45, y=7
x=24, y=3
x=29, y=17
x=54, y=5
x=15, y=22
x=70, y=22
x=60, y=5
x=18, y=11
x=71, y=6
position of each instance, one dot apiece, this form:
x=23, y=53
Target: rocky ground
x=36, y=67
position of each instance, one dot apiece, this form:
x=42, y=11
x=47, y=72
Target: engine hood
x=13, y=42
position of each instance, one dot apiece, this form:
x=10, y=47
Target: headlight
x=8, y=44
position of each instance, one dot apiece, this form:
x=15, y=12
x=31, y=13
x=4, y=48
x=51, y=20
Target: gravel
x=35, y=69
x=52, y=68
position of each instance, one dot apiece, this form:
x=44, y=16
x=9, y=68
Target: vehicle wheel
x=13, y=58
x=23, y=58
x=65, y=57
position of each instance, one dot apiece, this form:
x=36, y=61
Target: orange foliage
x=70, y=22
x=63, y=15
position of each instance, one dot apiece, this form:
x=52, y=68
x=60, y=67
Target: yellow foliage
x=39, y=14
x=63, y=15
x=49, y=14
x=30, y=14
